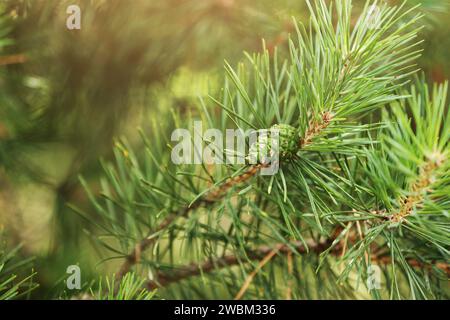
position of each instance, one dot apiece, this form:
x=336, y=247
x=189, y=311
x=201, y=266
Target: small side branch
x=163, y=279
x=134, y=257
x=419, y=188
x=252, y=275
x=221, y=190
x=315, y=127
x=265, y=254
x=210, y=197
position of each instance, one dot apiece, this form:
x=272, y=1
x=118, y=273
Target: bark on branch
x=163, y=279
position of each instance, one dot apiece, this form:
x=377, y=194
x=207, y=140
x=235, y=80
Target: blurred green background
x=65, y=95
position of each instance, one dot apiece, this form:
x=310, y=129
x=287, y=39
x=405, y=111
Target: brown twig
x=252, y=275
x=12, y=59
x=385, y=260
x=163, y=279
x=233, y=181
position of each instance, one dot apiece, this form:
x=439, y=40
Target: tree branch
x=210, y=197
x=164, y=279
x=315, y=128
x=134, y=257
x=419, y=187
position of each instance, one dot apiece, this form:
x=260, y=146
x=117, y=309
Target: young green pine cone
x=264, y=149
x=288, y=137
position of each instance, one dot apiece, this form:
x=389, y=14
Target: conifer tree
x=358, y=208
x=362, y=190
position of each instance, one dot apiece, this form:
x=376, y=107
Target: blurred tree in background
x=66, y=95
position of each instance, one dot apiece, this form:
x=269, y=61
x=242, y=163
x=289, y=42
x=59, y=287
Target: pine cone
x=262, y=151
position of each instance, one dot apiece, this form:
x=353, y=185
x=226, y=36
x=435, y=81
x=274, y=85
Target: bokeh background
x=66, y=95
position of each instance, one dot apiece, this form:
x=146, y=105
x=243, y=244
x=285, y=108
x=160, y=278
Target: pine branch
x=134, y=257
x=427, y=176
x=315, y=128
x=208, y=198
x=335, y=75
x=223, y=188
x=252, y=275
x=164, y=279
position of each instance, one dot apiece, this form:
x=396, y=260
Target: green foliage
x=67, y=93
x=130, y=287
x=364, y=172
x=404, y=214
x=12, y=284
x=333, y=209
